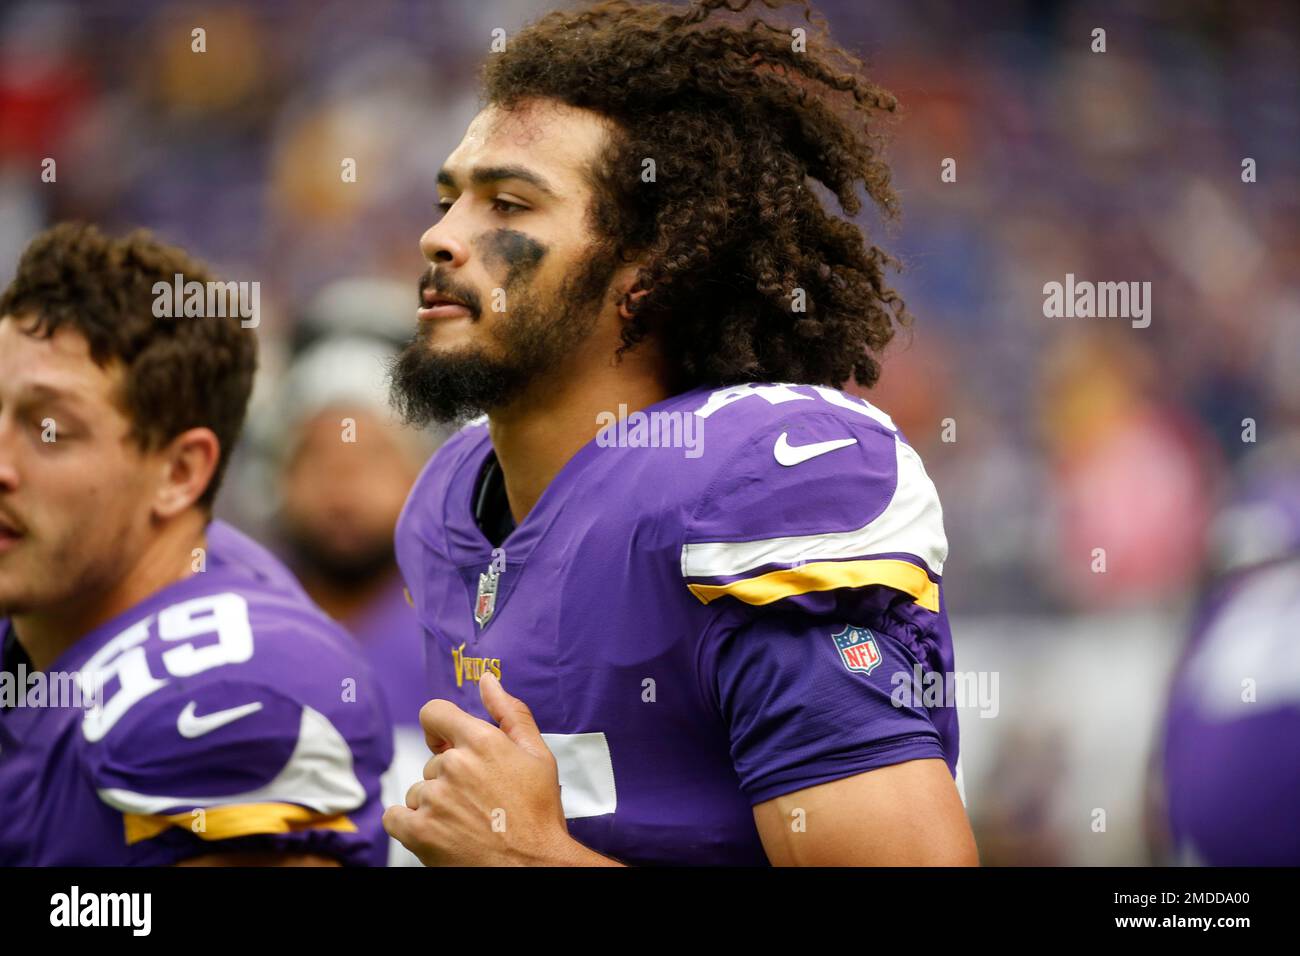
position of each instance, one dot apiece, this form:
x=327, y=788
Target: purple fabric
x=388, y=634
x=1232, y=763
x=707, y=709
x=240, y=633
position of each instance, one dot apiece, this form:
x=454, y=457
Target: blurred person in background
x=343, y=471
x=1231, y=755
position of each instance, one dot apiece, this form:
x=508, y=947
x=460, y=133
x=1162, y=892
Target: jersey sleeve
x=806, y=702
x=234, y=764
x=820, y=548
x=792, y=520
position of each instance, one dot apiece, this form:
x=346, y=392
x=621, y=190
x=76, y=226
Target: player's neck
x=48, y=633
x=536, y=435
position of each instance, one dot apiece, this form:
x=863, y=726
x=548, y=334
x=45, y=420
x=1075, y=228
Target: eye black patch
x=519, y=253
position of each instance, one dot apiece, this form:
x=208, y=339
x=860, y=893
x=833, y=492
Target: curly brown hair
x=739, y=123
x=179, y=373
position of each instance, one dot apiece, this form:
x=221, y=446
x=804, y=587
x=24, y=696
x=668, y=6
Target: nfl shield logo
x=486, y=602
x=858, y=648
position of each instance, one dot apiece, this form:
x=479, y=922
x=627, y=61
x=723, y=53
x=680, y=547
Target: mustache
x=439, y=283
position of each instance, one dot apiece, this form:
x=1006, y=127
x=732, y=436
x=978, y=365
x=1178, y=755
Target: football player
x=208, y=712
x=1231, y=741
x=702, y=585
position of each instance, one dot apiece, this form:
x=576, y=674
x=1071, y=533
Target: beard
x=341, y=571
x=535, y=338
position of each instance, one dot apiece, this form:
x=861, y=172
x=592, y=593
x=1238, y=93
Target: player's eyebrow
x=41, y=390
x=486, y=175
x=66, y=400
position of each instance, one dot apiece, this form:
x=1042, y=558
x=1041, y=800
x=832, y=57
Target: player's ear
x=623, y=285
x=626, y=298
x=188, y=461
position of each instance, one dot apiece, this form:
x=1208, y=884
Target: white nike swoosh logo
x=788, y=454
x=191, y=726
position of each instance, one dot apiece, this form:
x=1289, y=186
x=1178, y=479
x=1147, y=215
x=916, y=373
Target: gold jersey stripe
x=246, y=819
x=827, y=576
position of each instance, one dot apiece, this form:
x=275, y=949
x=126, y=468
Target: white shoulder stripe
x=319, y=776
x=912, y=523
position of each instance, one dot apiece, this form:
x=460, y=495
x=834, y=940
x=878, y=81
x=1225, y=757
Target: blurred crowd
x=1066, y=434
x=1049, y=438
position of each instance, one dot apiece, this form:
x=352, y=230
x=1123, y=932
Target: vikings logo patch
x=858, y=649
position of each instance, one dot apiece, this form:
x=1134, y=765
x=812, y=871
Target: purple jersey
x=1232, y=732
x=234, y=715
x=704, y=611
x=389, y=637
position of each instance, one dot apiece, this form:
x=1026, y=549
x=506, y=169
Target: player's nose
x=439, y=244
x=8, y=459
